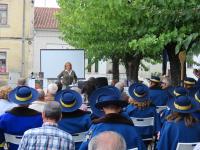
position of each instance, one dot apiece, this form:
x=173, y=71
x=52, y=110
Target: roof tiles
x=44, y=18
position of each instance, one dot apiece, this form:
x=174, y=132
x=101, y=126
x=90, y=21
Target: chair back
x=143, y=122
x=79, y=137
x=160, y=108
x=14, y=139
x=133, y=148
x=186, y=146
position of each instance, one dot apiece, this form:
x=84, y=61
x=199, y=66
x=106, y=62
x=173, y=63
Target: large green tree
x=131, y=30
x=172, y=25
x=104, y=28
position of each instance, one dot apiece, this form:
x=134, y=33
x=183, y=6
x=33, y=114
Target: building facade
x=16, y=37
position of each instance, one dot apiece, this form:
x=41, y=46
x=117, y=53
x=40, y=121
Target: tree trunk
x=132, y=64
x=164, y=62
x=175, y=65
x=115, y=68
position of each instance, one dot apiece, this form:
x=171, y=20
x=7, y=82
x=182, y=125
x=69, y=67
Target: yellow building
x=16, y=35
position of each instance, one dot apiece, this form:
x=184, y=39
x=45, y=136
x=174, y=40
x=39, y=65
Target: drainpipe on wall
x=23, y=42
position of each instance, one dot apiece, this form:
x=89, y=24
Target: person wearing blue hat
x=190, y=85
x=158, y=96
x=181, y=126
x=140, y=107
x=178, y=91
x=154, y=80
x=97, y=113
x=111, y=105
x=16, y=121
x=197, y=99
x=74, y=120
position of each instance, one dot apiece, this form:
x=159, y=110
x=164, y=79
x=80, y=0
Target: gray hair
x=52, y=110
x=107, y=140
x=21, y=81
x=78, y=90
x=120, y=86
x=167, y=81
x=52, y=88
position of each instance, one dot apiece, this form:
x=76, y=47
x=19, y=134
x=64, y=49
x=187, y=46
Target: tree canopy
x=119, y=28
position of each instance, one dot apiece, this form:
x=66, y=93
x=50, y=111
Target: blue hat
x=197, y=96
x=69, y=100
x=105, y=100
x=183, y=104
x=190, y=81
x=180, y=91
x=155, y=79
x=23, y=95
x=139, y=92
x=104, y=96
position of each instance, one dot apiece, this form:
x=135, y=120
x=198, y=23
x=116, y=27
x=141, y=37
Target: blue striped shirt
x=47, y=137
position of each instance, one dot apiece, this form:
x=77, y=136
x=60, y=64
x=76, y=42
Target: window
x=2, y=62
x=3, y=14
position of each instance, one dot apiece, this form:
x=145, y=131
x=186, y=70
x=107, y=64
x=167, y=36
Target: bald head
x=107, y=140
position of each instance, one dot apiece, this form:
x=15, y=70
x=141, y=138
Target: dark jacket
x=15, y=122
x=67, y=78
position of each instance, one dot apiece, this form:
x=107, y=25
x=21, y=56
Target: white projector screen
x=52, y=61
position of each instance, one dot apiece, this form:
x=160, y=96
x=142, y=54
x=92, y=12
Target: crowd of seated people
x=156, y=115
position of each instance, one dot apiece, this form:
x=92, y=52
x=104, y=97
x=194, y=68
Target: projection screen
x=52, y=61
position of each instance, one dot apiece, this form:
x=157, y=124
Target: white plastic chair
x=14, y=139
x=79, y=137
x=160, y=108
x=143, y=122
x=197, y=147
x=186, y=146
x=133, y=148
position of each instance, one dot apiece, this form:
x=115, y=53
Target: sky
x=46, y=3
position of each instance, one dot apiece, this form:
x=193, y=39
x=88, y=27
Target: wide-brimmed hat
x=105, y=100
x=190, y=81
x=69, y=100
x=197, y=96
x=23, y=95
x=154, y=79
x=180, y=91
x=139, y=92
x=183, y=104
x=105, y=96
